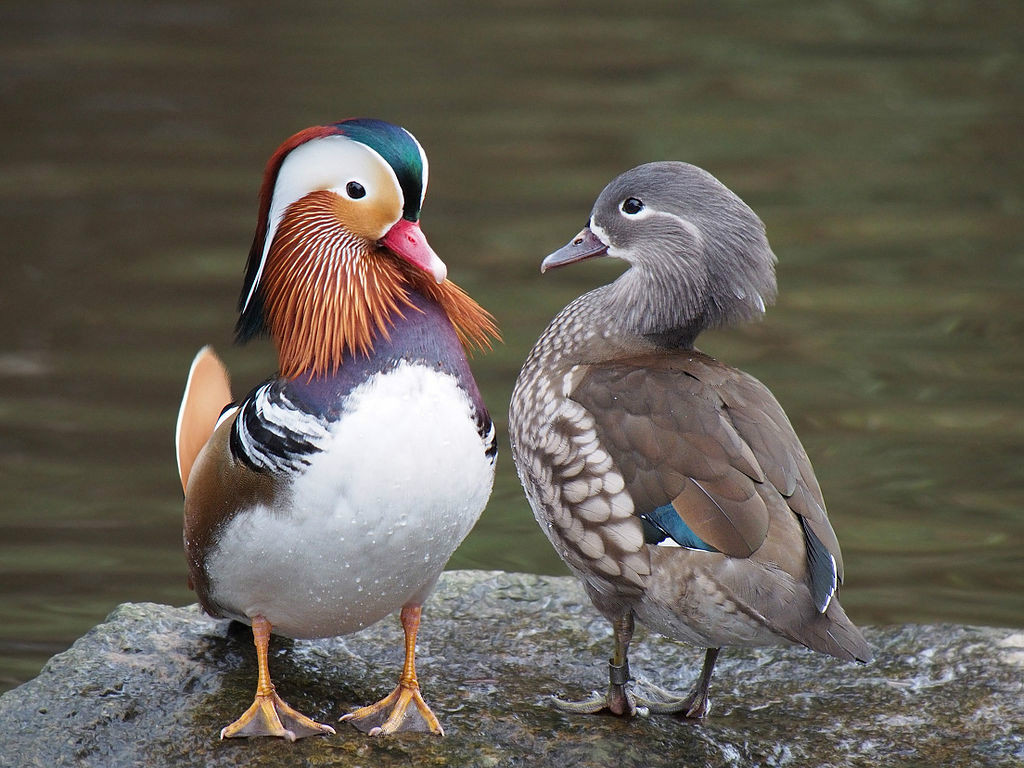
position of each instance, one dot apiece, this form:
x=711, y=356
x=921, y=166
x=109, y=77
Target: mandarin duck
x=670, y=483
x=334, y=493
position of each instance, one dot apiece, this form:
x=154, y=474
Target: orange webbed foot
x=270, y=715
x=392, y=714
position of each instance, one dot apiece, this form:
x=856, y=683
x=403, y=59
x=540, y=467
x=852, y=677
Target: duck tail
x=207, y=392
x=833, y=633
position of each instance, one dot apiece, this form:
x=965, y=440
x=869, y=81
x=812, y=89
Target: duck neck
x=614, y=321
x=647, y=305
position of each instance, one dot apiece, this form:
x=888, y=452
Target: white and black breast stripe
x=485, y=428
x=271, y=434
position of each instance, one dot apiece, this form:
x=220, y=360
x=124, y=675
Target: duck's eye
x=355, y=190
x=632, y=206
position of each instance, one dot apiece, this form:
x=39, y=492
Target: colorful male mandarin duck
x=671, y=484
x=334, y=493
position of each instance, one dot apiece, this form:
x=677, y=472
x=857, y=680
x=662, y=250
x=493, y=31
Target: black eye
x=355, y=190
x=631, y=205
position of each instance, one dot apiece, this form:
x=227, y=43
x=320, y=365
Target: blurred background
x=879, y=141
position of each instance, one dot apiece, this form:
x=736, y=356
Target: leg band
x=618, y=674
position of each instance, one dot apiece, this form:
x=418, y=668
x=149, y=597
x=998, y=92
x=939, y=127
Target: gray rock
x=153, y=685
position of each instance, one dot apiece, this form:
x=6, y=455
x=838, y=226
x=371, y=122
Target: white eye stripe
x=686, y=224
x=644, y=213
x=426, y=167
x=647, y=212
x=309, y=167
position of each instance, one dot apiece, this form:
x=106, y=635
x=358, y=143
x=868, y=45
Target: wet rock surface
x=153, y=685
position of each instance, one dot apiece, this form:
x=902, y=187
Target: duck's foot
x=617, y=701
x=696, y=704
x=392, y=714
x=693, y=706
x=270, y=715
x=624, y=706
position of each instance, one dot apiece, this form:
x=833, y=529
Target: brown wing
x=207, y=391
x=711, y=441
x=763, y=425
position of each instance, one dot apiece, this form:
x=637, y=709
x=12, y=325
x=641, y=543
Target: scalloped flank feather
x=326, y=295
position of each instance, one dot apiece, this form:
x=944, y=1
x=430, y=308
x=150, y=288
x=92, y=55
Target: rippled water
x=878, y=141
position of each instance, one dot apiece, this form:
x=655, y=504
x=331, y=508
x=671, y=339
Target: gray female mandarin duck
x=333, y=493
x=670, y=483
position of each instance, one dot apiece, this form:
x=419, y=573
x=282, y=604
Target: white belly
x=372, y=521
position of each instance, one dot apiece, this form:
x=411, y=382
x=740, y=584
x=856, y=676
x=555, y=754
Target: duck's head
x=699, y=256
x=338, y=247
x=360, y=183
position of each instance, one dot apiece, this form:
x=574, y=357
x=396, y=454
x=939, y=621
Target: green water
x=876, y=140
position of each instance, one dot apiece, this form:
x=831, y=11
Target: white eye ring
x=631, y=206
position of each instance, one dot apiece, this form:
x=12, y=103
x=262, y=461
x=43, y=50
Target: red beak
x=407, y=241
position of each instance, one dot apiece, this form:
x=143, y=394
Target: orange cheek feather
x=367, y=219
x=329, y=292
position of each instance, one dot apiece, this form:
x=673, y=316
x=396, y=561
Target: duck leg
x=617, y=700
x=695, y=705
x=392, y=714
x=269, y=715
